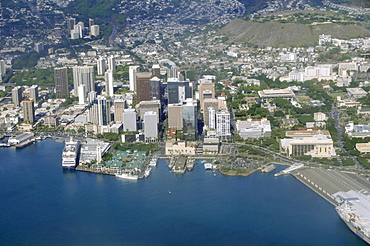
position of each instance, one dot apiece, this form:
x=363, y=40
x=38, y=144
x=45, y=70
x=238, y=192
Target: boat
x=153, y=161
x=208, y=166
x=190, y=164
x=147, y=172
x=70, y=154
x=126, y=176
x=354, y=209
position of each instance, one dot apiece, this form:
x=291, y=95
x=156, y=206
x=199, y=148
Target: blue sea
x=40, y=204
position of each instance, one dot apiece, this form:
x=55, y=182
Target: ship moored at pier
x=70, y=154
x=354, y=209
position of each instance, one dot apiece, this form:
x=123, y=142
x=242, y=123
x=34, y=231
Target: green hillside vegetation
x=278, y=34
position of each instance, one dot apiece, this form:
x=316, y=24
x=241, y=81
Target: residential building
x=223, y=122
x=132, y=77
x=101, y=66
x=34, y=92
x=28, y=110
x=17, y=96
x=61, y=82
x=109, y=89
x=319, y=116
x=83, y=75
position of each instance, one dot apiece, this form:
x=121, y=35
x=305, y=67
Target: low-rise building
x=356, y=92
x=364, y=148
x=174, y=147
x=254, y=128
x=268, y=95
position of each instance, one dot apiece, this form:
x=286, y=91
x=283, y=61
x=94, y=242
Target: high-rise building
x=119, y=106
x=129, y=120
x=28, y=110
x=132, y=70
x=209, y=87
x=175, y=118
x=156, y=70
x=209, y=103
x=83, y=75
x=155, y=88
x=58, y=32
x=109, y=89
x=223, y=122
x=112, y=64
x=147, y=106
x=99, y=112
x=190, y=119
x=34, y=92
x=17, y=96
x=178, y=91
x=2, y=67
x=142, y=86
x=182, y=75
x=211, y=118
x=95, y=30
x=150, y=126
x=39, y=47
x=61, y=82
x=71, y=22
x=101, y=66
x=91, y=22
x=81, y=94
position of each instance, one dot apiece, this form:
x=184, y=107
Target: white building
x=129, y=120
x=258, y=128
x=109, y=89
x=132, y=77
x=223, y=122
x=150, y=126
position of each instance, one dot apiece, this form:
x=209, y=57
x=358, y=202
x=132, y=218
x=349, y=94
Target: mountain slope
x=287, y=34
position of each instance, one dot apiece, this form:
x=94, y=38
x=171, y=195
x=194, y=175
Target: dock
x=179, y=164
x=268, y=168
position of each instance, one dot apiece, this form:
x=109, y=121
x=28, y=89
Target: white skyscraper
x=150, y=126
x=109, y=83
x=132, y=77
x=223, y=122
x=81, y=94
x=129, y=120
x=112, y=63
x=101, y=66
x=83, y=75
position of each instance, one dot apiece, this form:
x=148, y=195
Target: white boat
x=208, y=166
x=126, y=176
x=147, y=172
x=153, y=161
x=70, y=154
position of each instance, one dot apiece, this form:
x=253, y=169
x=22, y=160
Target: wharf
x=327, y=182
x=268, y=168
x=178, y=164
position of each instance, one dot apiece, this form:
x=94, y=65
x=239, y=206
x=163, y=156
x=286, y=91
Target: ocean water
x=40, y=204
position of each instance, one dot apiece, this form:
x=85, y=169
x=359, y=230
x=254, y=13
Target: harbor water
x=41, y=204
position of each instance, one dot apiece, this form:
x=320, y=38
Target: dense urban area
x=243, y=83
